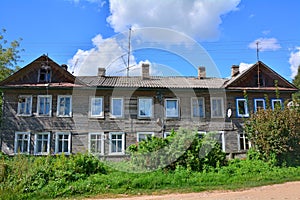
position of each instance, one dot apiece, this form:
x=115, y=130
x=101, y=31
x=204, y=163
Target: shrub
x=183, y=148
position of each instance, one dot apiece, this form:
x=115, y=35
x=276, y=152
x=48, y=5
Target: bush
x=183, y=148
x=275, y=135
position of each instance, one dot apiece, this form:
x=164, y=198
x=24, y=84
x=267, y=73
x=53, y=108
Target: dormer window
x=44, y=74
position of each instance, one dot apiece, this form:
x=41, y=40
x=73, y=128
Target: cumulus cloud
x=265, y=44
x=106, y=53
x=294, y=62
x=245, y=66
x=197, y=18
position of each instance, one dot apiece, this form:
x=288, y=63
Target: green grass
x=58, y=177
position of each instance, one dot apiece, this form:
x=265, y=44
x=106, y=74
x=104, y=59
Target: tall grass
x=28, y=177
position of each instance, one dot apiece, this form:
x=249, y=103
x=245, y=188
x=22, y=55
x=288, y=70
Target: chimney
x=201, y=72
x=235, y=70
x=64, y=66
x=145, y=71
x=101, y=71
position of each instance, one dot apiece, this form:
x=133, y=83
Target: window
x=244, y=143
x=44, y=105
x=217, y=107
x=64, y=106
x=44, y=74
x=220, y=138
x=117, y=143
x=145, y=107
x=117, y=107
x=259, y=104
x=276, y=103
x=96, y=107
x=24, y=105
x=63, y=143
x=201, y=134
x=22, y=142
x=171, y=108
x=166, y=134
x=197, y=107
x=242, y=108
x=96, y=143
x=144, y=136
x=42, y=143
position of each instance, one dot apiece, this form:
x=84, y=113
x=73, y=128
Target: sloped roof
x=234, y=82
x=153, y=82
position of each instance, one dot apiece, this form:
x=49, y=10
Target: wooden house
x=47, y=110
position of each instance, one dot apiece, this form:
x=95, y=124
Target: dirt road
x=290, y=190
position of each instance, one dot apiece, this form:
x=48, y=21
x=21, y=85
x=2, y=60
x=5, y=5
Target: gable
x=259, y=76
x=40, y=71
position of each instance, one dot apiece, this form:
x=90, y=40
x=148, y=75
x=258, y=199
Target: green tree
x=9, y=55
x=296, y=82
x=275, y=134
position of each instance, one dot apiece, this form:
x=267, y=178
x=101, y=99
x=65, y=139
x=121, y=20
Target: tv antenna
x=257, y=50
x=129, y=49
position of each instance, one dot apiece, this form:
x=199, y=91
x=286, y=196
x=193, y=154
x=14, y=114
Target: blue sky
x=175, y=36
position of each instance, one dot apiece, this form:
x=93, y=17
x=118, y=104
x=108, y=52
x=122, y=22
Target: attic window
x=45, y=74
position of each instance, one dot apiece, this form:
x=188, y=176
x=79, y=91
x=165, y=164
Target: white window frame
x=147, y=134
x=101, y=140
x=113, y=115
x=59, y=97
x=111, y=141
x=176, y=115
x=23, y=140
x=57, y=134
x=38, y=105
x=255, y=104
x=201, y=134
x=43, y=139
x=166, y=134
x=92, y=100
x=246, y=114
x=245, y=141
x=27, y=104
x=222, y=133
x=197, y=99
x=140, y=107
x=212, y=108
x=47, y=74
x=276, y=100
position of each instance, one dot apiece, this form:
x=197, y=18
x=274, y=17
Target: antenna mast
x=129, y=46
x=257, y=50
x=258, y=71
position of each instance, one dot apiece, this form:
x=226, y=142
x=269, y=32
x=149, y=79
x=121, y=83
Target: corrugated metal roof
x=153, y=82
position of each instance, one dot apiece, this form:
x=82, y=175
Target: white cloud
x=294, y=62
x=196, y=18
x=245, y=66
x=106, y=53
x=265, y=44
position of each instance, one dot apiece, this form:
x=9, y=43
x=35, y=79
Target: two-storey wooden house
x=47, y=110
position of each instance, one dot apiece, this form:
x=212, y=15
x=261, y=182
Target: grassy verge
x=83, y=176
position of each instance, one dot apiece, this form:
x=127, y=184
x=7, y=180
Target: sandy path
x=290, y=190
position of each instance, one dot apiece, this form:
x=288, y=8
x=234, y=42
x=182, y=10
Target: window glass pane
x=259, y=104
x=116, y=143
x=117, y=107
x=198, y=106
x=241, y=107
x=96, y=106
x=217, y=108
x=171, y=108
x=145, y=107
